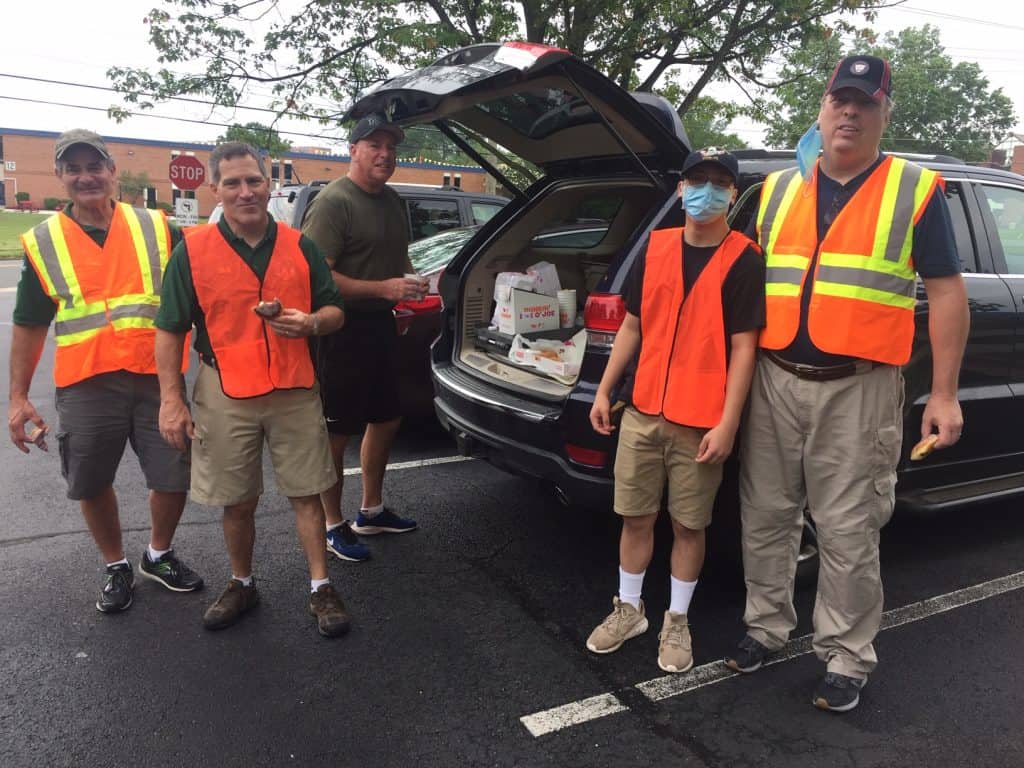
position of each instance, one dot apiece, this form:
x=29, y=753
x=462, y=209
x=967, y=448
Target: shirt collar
x=231, y=237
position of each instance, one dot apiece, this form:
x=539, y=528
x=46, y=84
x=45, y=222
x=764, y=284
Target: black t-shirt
x=933, y=253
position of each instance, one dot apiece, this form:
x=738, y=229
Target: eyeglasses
x=700, y=179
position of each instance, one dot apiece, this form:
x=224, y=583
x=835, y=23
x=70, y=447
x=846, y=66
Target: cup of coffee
x=567, y=307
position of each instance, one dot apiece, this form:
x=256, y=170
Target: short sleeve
x=743, y=297
x=177, y=294
x=934, y=247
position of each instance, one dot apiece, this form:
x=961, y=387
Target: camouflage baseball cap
x=68, y=139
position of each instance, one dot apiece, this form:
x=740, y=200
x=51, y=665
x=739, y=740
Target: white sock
x=372, y=511
x=631, y=586
x=246, y=580
x=682, y=593
x=122, y=561
x=156, y=554
x=332, y=526
x=315, y=584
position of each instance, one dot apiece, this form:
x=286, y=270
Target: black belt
x=819, y=372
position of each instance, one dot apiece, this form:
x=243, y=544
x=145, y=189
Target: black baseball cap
x=375, y=122
x=868, y=74
x=720, y=157
x=77, y=136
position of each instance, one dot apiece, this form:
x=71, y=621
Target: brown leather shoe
x=235, y=600
x=331, y=617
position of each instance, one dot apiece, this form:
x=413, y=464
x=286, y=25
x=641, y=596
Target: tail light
x=603, y=315
x=588, y=457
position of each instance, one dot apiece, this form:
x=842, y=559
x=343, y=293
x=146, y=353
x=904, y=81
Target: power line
x=954, y=17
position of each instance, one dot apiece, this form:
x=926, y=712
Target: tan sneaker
x=232, y=603
x=675, y=649
x=622, y=623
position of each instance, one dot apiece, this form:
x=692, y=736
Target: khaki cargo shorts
x=653, y=451
x=227, y=453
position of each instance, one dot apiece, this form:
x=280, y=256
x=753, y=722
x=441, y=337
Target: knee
x=243, y=511
x=684, y=533
x=639, y=525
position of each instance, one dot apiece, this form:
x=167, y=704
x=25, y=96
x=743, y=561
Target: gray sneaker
x=675, y=649
x=621, y=624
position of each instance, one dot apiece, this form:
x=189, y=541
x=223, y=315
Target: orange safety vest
x=682, y=370
x=107, y=297
x=864, y=291
x=252, y=360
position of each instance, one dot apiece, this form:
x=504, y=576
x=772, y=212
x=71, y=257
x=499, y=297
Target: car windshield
x=433, y=253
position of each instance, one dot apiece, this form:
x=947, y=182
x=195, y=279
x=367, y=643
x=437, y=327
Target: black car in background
x=598, y=153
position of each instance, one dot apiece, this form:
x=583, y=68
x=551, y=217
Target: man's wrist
x=315, y=317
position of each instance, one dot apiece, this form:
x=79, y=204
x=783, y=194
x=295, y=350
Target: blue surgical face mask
x=706, y=201
x=808, y=149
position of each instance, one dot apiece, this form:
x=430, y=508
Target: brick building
x=27, y=166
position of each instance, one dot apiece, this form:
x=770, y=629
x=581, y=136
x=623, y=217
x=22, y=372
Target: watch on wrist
x=316, y=324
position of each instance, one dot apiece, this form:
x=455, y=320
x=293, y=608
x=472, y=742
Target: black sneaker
x=749, y=656
x=838, y=693
x=170, y=572
x=117, y=592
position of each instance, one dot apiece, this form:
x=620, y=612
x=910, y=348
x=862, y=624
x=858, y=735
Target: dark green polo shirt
x=32, y=305
x=179, y=309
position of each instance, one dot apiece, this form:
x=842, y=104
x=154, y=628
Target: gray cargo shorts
x=97, y=416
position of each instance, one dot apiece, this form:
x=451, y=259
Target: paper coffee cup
x=567, y=307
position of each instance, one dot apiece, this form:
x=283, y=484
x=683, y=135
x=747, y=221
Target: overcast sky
x=76, y=42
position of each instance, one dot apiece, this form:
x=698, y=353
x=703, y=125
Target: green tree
x=707, y=124
x=333, y=49
x=940, y=107
x=133, y=185
x=259, y=136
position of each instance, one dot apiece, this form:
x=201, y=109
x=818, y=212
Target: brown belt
x=822, y=373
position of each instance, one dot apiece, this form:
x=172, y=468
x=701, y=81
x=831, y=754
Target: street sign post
x=186, y=211
x=186, y=172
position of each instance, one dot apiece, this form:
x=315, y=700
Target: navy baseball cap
x=719, y=157
x=868, y=74
x=375, y=122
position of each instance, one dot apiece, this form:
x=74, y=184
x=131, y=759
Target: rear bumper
x=576, y=487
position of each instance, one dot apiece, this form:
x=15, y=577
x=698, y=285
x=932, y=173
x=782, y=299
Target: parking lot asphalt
x=467, y=629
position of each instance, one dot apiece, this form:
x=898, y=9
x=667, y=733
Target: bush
x=21, y=197
x=52, y=203
x=165, y=207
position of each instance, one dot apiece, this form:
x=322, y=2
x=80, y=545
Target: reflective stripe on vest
x=864, y=289
x=681, y=374
x=107, y=297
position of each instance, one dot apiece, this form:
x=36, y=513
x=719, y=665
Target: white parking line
x=414, y=464
x=659, y=688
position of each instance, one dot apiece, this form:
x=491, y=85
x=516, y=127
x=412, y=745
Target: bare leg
x=373, y=456
x=165, y=509
x=309, y=524
x=636, y=545
x=100, y=513
x=240, y=535
x=331, y=498
x=687, y=552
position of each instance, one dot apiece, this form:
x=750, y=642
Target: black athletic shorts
x=357, y=369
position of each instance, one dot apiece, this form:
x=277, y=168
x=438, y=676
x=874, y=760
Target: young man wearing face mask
x=695, y=305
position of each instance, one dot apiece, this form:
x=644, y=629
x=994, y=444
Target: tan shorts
x=652, y=451
x=227, y=454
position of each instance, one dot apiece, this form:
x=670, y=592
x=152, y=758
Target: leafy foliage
x=259, y=136
x=940, y=107
x=133, y=185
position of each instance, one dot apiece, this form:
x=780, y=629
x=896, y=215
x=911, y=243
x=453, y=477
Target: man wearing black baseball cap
x=360, y=224
x=699, y=293
x=844, y=244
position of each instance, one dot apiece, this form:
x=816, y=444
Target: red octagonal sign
x=186, y=172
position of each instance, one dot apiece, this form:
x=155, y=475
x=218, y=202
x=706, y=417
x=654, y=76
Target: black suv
x=429, y=210
x=601, y=154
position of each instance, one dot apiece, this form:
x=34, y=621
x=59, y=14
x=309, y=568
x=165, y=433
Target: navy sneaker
x=838, y=693
x=342, y=543
x=385, y=521
x=117, y=592
x=169, y=571
x=748, y=657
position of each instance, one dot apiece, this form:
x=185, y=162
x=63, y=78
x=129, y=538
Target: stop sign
x=186, y=172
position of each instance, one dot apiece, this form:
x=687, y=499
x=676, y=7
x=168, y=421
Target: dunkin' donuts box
x=519, y=311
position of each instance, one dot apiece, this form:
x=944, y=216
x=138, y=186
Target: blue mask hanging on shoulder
x=808, y=149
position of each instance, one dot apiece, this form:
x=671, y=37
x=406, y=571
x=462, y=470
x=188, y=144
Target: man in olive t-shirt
x=360, y=225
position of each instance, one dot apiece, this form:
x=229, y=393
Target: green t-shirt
x=32, y=305
x=362, y=236
x=179, y=309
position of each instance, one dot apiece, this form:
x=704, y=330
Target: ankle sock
x=122, y=561
x=246, y=580
x=682, y=593
x=332, y=526
x=315, y=584
x=156, y=554
x=372, y=511
x=631, y=586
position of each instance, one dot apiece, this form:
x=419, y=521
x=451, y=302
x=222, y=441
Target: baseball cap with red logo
x=868, y=74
